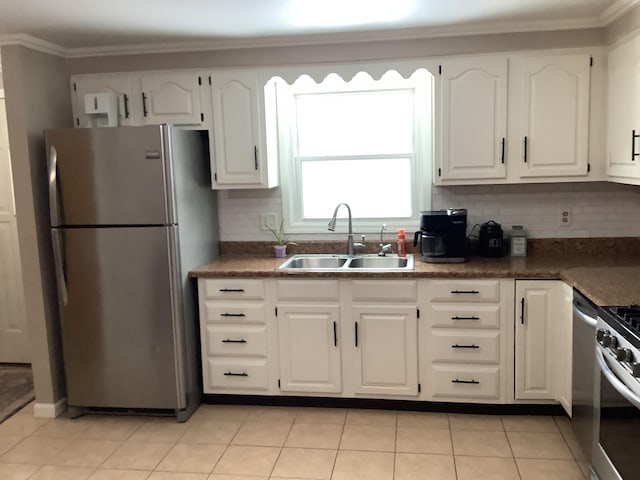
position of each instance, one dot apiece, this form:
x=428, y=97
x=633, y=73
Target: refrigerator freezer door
x=110, y=176
x=121, y=323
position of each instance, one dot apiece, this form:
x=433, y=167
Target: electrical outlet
x=269, y=220
x=565, y=217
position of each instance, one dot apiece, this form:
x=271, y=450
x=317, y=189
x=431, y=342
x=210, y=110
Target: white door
x=172, y=98
x=129, y=106
x=473, y=125
x=309, y=348
x=13, y=323
x=385, y=350
x=555, y=116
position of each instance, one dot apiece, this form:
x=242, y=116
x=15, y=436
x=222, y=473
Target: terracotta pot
x=280, y=251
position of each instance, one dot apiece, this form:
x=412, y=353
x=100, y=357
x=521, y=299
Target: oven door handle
x=615, y=382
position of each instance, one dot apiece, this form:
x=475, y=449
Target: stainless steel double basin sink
x=345, y=263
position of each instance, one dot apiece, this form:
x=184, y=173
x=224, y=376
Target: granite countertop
x=605, y=279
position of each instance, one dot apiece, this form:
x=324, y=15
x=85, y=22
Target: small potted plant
x=280, y=247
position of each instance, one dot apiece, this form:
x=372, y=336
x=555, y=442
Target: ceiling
x=77, y=24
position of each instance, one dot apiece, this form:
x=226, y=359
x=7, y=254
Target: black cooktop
x=625, y=320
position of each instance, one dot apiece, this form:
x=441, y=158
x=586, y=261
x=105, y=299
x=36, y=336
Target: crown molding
x=616, y=10
x=33, y=43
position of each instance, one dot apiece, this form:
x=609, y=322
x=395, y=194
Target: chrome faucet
x=382, y=248
x=351, y=246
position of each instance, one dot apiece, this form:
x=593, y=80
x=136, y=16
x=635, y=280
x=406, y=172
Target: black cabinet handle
x=502, y=150
x=525, y=149
x=230, y=340
x=458, y=292
x=144, y=105
x=522, y=311
x=634, y=135
x=335, y=334
x=232, y=290
x=255, y=156
x=356, y=334
x=231, y=374
x=464, y=346
x=232, y=315
x=472, y=382
x=126, y=106
x=465, y=318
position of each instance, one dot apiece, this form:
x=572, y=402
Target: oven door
x=615, y=456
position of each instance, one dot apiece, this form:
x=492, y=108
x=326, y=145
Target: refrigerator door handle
x=54, y=209
x=58, y=260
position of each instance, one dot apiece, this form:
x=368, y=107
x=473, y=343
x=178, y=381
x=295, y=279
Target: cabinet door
x=536, y=312
x=172, y=98
x=385, y=360
x=555, y=115
x=473, y=119
x=309, y=348
x=624, y=110
x=564, y=348
x=119, y=85
x=240, y=155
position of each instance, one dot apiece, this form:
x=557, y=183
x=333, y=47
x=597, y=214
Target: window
x=364, y=142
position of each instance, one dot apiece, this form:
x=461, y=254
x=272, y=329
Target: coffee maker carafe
x=442, y=236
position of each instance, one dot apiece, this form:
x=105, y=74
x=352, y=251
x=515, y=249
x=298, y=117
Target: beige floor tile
x=61, y=473
x=159, y=430
x=574, y=446
x=221, y=412
x=63, y=427
x=486, y=468
x=539, y=445
x=16, y=471
x=529, y=423
x=224, y=476
x=384, y=418
x=195, y=458
x=110, y=427
x=410, y=466
x=36, y=451
x=321, y=415
x=138, y=455
x=423, y=420
x=352, y=465
x=272, y=414
x=215, y=431
x=177, y=476
x=423, y=440
x=27, y=409
x=305, y=463
x=314, y=435
x=118, y=474
x=85, y=452
x=369, y=438
x=480, y=443
x=22, y=425
x=262, y=434
x=463, y=421
x=563, y=424
x=245, y=460
x=9, y=441
x=549, y=469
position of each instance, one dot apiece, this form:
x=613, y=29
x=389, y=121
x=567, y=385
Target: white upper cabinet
x=122, y=86
x=623, y=156
x=239, y=131
x=173, y=98
x=555, y=115
x=473, y=119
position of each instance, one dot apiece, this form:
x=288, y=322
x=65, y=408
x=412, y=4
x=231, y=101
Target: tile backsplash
x=598, y=209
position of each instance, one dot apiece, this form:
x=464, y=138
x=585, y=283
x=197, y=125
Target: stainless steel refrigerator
x=132, y=211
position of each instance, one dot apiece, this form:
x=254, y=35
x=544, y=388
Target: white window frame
x=421, y=163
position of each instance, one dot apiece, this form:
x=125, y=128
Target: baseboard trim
x=50, y=410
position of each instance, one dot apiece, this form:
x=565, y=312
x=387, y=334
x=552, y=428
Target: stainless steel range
x=615, y=454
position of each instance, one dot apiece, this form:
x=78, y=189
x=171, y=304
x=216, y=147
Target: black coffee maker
x=443, y=235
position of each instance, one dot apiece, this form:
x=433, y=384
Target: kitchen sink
x=343, y=263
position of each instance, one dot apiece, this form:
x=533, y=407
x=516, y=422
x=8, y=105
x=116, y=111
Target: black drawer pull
x=522, y=311
x=356, y=334
x=231, y=374
x=232, y=315
x=145, y=112
x=471, y=292
x=230, y=340
x=472, y=382
x=232, y=290
x=525, y=149
x=465, y=318
x=464, y=346
x=335, y=334
x=634, y=135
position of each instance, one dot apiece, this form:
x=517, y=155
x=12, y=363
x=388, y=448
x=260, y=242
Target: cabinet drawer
x=377, y=290
x=236, y=341
x=465, y=382
x=237, y=374
x=465, y=291
x=464, y=316
x=234, y=312
x=464, y=347
x=307, y=290
x=232, y=288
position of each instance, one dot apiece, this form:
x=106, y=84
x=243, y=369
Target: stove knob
x=600, y=334
x=624, y=355
x=610, y=341
x=635, y=369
